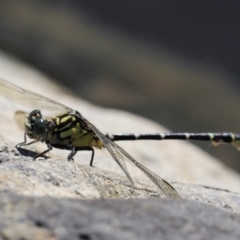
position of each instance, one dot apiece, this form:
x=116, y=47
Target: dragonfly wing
x=117, y=156
x=27, y=98
x=19, y=117
x=164, y=186
x=121, y=155
x=34, y=100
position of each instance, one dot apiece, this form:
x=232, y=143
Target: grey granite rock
x=52, y=198
x=46, y=218
x=172, y=160
x=60, y=178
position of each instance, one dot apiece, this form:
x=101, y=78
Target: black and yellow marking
x=67, y=130
x=73, y=132
x=226, y=137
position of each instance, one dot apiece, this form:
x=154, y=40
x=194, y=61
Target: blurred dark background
x=176, y=62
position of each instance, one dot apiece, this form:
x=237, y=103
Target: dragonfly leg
x=72, y=153
x=86, y=149
x=92, y=157
x=75, y=150
x=22, y=143
x=42, y=153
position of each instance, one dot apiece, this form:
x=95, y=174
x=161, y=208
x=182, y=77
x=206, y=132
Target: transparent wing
x=34, y=100
x=19, y=117
x=27, y=98
x=120, y=156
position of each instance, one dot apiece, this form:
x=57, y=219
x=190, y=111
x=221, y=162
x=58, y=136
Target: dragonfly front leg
x=25, y=142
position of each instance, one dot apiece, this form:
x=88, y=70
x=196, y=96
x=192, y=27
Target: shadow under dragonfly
x=29, y=153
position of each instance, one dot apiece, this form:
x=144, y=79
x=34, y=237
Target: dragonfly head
x=35, y=125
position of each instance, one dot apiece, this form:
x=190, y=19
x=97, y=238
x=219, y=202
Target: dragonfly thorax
x=35, y=125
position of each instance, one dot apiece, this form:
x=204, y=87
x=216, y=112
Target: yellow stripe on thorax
x=81, y=137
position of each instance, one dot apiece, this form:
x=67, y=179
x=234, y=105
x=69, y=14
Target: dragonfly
x=71, y=131
x=215, y=138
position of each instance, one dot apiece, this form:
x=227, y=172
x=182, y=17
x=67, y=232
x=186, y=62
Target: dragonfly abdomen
x=214, y=137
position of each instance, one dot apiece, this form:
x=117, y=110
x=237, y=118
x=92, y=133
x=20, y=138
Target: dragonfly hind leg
x=76, y=149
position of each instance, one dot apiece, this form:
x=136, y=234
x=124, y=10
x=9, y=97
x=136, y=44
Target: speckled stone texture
x=31, y=218
x=56, y=199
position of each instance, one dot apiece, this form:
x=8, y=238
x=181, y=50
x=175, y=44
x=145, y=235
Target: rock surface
x=124, y=72
x=172, y=160
x=53, y=198
x=62, y=179
x=37, y=218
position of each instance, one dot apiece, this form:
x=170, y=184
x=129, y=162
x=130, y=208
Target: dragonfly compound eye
x=34, y=114
x=39, y=127
x=38, y=124
x=71, y=131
